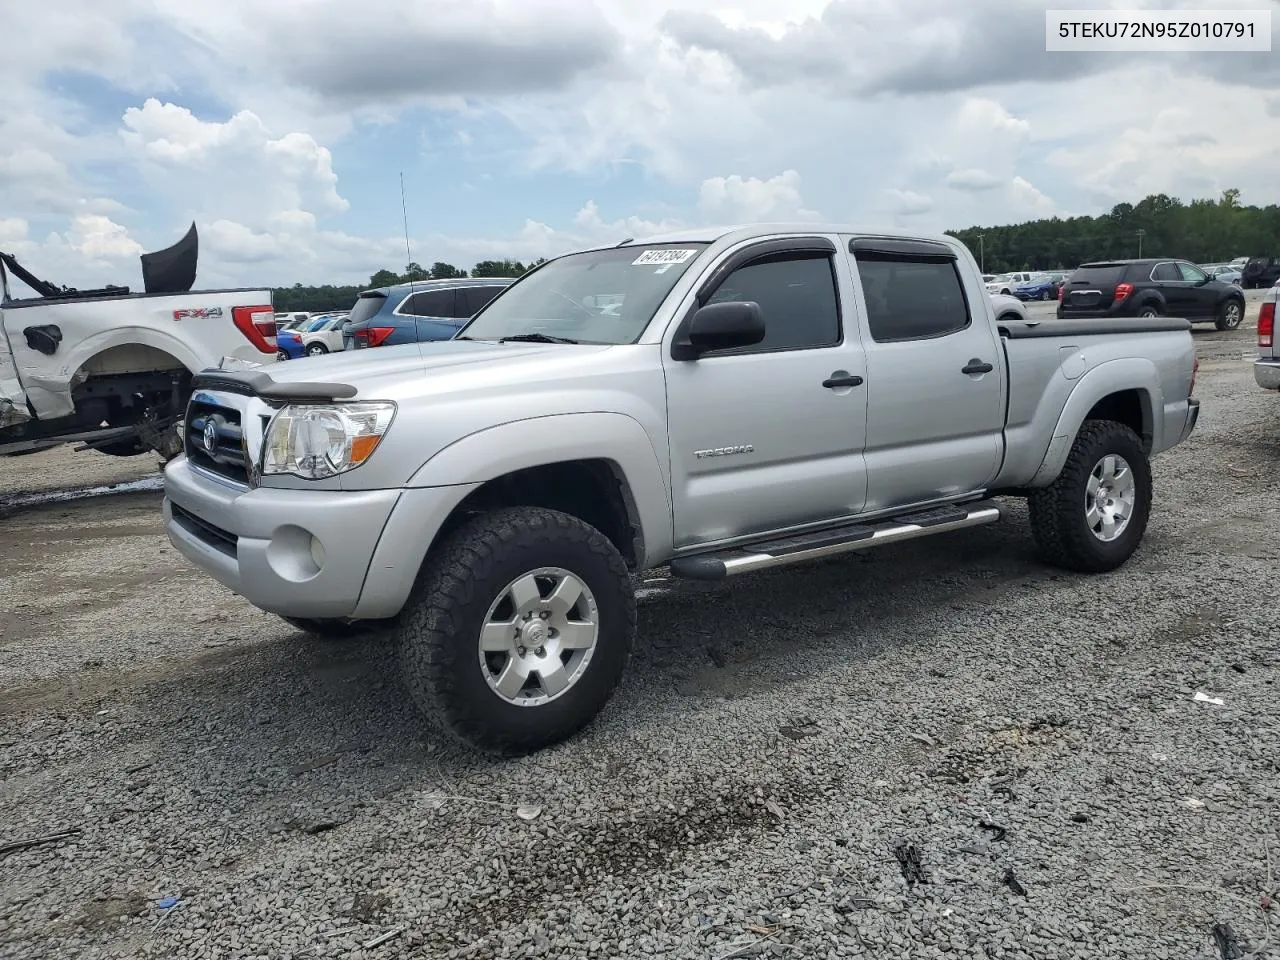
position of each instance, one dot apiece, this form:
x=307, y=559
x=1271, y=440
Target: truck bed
x=1050, y=359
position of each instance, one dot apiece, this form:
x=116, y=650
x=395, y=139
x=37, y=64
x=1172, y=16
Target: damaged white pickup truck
x=746, y=398
x=112, y=369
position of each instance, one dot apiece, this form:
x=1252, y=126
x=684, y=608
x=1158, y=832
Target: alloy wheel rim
x=1110, y=497
x=539, y=636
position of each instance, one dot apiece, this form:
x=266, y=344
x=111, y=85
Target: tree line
x=1202, y=231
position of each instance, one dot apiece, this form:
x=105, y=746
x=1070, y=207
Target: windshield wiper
x=535, y=338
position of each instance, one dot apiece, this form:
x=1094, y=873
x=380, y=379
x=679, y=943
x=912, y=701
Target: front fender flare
x=538, y=441
x=1113, y=376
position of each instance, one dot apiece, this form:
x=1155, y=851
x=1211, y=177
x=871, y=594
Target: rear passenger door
x=435, y=312
x=935, y=374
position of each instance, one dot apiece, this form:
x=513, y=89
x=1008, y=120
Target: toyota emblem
x=211, y=435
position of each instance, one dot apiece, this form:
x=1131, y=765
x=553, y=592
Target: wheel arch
x=1126, y=390
x=607, y=456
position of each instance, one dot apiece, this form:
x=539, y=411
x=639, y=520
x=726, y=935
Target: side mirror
x=720, y=326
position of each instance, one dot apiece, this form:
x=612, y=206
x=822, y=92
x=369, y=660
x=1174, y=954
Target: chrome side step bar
x=832, y=541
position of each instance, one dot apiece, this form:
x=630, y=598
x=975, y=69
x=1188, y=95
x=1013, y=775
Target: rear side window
x=1166, y=273
x=471, y=299
x=366, y=307
x=912, y=298
x=430, y=303
x=1098, y=275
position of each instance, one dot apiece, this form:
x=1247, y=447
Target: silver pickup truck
x=720, y=401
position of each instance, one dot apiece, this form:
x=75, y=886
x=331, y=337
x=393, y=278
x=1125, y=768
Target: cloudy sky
x=528, y=127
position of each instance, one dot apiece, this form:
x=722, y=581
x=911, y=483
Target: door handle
x=850, y=381
x=976, y=366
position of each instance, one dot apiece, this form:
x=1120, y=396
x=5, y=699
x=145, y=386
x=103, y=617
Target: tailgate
x=1092, y=287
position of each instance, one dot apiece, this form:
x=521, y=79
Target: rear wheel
x=518, y=630
x=316, y=349
x=1229, y=315
x=1045, y=295
x=1092, y=517
x=1148, y=310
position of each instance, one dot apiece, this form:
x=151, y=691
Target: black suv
x=1150, y=288
x=1260, y=272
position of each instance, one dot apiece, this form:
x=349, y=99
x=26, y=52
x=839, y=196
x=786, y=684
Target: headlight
x=314, y=441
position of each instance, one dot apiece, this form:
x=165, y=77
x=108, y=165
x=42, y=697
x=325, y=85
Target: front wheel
x=1229, y=315
x=317, y=349
x=518, y=630
x=1092, y=517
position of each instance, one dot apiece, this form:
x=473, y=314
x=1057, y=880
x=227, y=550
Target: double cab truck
x=720, y=402
x=1266, y=369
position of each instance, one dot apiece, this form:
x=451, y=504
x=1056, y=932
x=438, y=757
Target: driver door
x=1201, y=296
x=770, y=437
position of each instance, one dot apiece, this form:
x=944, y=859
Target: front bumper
x=1267, y=374
x=258, y=542
x=1193, y=416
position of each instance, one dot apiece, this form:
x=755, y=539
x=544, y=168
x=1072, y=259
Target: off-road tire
x=1058, y=510
x=441, y=623
x=1226, y=322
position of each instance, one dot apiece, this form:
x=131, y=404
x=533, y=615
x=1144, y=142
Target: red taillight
x=373, y=336
x=1267, y=324
x=258, y=324
x=1195, y=369
x=1062, y=292
x=1123, y=290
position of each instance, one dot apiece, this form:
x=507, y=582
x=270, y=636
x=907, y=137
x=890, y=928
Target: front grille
x=227, y=457
x=205, y=531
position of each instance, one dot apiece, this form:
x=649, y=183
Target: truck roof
x=746, y=231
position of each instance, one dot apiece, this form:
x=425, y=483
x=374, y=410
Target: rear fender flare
x=1113, y=376
x=614, y=437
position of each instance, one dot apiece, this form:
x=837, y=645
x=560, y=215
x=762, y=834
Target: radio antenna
x=404, y=209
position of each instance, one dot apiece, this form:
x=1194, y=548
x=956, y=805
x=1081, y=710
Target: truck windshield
x=601, y=296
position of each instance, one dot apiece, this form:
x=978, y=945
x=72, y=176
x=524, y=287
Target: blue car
x=414, y=312
x=1046, y=288
x=289, y=344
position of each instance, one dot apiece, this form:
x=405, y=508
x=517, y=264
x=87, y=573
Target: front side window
x=912, y=298
x=599, y=296
x=797, y=297
x=472, y=299
x=1192, y=273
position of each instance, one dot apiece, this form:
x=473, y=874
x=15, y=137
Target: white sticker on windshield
x=662, y=256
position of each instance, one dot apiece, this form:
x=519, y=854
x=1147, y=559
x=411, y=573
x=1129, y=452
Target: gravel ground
x=1030, y=740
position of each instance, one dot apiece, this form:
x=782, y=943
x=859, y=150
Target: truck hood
x=383, y=371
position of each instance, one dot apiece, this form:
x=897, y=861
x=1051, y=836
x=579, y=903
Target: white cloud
x=100, y=238
x=736, y=199
x=908, y=202
x=239, y=158
x=973, y=179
